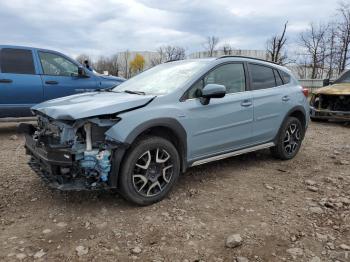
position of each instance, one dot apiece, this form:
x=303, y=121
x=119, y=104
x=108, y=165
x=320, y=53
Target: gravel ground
x=247, y=208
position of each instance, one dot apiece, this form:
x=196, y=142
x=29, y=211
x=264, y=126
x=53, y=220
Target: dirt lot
x=295, y=210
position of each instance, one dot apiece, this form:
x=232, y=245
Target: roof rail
x=238, y=56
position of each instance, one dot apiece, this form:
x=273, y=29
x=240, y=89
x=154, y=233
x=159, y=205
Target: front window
x=56, y=65
x=232, y=76
x=163, y=78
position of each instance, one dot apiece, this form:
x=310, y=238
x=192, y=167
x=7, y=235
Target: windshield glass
x=162, y=79
x=344, y=78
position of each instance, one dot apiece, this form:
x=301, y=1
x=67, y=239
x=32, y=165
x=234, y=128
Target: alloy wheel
x=152, y=172
x=292, y=139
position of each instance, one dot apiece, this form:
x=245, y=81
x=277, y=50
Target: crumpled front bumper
x=47, y=162
x=328, y=114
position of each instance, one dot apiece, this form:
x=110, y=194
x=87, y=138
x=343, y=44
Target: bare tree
x=275, y=47
x=125, y=60
x=331, y=49
x=227, y=49
x=114, y=65
x=83, y=57
x=312, y=40
x=210, y=45
x=168, y=53
x=344, y=34
x=159, y=57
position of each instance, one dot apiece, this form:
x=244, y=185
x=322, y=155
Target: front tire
x=150, y=170
x=289, y=139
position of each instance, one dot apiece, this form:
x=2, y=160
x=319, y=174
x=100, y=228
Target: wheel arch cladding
x=167, y=128
x=298, y=112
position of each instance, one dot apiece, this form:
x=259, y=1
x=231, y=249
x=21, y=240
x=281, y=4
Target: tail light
x=305, y=91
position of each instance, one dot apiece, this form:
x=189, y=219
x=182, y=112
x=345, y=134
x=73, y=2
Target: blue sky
x=103, y=27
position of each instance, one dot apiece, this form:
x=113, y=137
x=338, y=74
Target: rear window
x=285, y=77
x=262, y=77
x=16, y=61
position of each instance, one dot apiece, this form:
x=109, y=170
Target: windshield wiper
x=135, y=92
x=109, y=89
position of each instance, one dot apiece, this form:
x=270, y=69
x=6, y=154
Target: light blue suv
x=140, y=136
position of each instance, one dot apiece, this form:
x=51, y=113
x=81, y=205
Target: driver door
x=225, y=124
x=60, y=76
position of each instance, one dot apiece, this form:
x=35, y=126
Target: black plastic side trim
x=290, y=112
x=170, y=123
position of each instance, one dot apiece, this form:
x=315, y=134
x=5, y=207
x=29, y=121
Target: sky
x=104, y=27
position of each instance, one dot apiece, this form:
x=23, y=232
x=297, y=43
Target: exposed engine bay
x=77, y=153
x=331, y=102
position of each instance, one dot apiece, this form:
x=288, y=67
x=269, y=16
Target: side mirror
x=81, y=72
x=326, y=82
x=212, y=91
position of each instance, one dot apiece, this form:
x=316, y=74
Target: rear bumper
x=328, y=114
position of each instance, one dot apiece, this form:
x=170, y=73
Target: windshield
x=162, y=79
x=344, y=78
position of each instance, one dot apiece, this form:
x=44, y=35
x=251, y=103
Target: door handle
x=285, y=98
x=246, y=103
x=51, y=82
x=6, y=81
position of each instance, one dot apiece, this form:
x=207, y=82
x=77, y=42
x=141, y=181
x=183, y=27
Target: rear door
x=60, y=76
x=20, y=85
x=272, y=101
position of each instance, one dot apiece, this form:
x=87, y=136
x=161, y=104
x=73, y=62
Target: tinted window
x=262, y=77
x=230, y=75
x=285, y=77
x=57, y=65
x=278, y=78
x=16, y=61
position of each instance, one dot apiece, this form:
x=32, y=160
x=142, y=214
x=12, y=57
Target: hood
x=91, y=104
x=111, y=78
x=336, y=89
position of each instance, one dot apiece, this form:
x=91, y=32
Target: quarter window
x=16, y=61
x=285, y=77
x=57, y=65
x=232, y=76
x=262, y=77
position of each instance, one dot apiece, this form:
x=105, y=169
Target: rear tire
x=289, y=139
x=150, y=170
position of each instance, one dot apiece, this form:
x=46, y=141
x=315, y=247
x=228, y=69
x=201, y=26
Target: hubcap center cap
x=153, y=172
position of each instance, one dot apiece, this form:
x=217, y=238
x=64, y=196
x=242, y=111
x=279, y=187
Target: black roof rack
x=238, y=56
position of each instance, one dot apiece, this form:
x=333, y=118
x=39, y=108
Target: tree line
x=321, y=51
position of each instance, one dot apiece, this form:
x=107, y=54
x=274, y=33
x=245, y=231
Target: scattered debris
x=14, y=137
x=39, y=254
x=312, y=188
x=345, y=247
x=309, y=182
x=61, y=224
x=46, y=231
x=81, y=251
x=242, y=259
x=294, y=252
x=136, y=250
x=233, y=241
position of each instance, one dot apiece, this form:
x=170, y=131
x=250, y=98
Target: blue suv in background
x=29, y=76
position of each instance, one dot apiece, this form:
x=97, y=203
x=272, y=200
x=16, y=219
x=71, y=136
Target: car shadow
x=192, y=179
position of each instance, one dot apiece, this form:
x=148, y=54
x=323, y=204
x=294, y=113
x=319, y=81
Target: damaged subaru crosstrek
x=140, y=136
